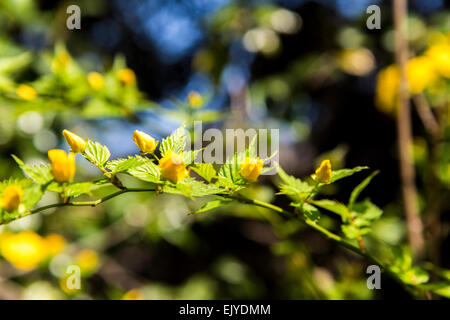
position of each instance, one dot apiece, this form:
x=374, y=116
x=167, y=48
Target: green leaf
x=175, y=142
x=310, y=212
x=147, y=172
x=11, y=64
x=442, y=289
x=40, y=174
x=55, y=187
x=205, y=170
x=122, y=165
x=359, y=188
x=343, y=173
x=96, y=153
x=189, y=156
x=367, y=211
x=32, y=195
x=251, y=151
x=213, y=204
x=352, y=232
x=293, y=187
x=229, y=175
x=333, y=206
x=192, y=188
x=415, y=276
x=78, y=189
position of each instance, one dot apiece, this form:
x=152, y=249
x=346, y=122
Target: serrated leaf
x=293, y=187
x=32, y=195
x=147, y=172
x=359, y=188
x=55, y=187
x=78, y=189
x=176, y=141
x=197, y=188
x=96, y=153
x=40, y=174
x=251, y=151
x=229, y=175
x=122, y=165
x=310, y=212
x=333, y=206
x=343, y=173
x=205, y=170
x=189, y=156
x=213, y=204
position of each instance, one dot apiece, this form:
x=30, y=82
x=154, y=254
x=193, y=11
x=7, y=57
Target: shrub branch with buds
x=171, y=174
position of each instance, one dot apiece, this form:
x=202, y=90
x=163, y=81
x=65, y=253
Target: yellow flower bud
x=251, y=168
x=63, y=165
x=127, y=77
x=11, y=197
x=26, y=92
x=24, y=250
x=172, y=166
x=144, y=141
x=195, y=99
x=95, y=80
x=323, y=173
x=76, y=143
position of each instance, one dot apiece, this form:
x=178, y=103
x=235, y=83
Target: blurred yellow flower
x=26, y=92
x=323, y=172
x=64, y=285
x=195, y=99
x=55, y=244
x=63, y=165
x=133, y=294
x=421, y=73
x=24, y=250
x=95, y=80
x=127, y=77
x=12, y=197
x=76, y=143
x=251, y=168
x=440, y=57
x=386, y=93
x=172, y=166
x=144, y=141
x=358, y=61
x=87, y=260
x=61, y=61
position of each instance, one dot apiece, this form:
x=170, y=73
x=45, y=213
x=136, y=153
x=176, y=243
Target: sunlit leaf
x=40, y=174
x=96, y=153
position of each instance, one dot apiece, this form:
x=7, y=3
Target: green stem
x=92, y=203
x=338, y=239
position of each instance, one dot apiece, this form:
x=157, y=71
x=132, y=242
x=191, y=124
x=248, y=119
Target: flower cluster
x=26, y=250
x=425, y=72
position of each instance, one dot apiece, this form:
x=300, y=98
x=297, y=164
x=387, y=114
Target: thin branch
x=330, y=235
x=92, y=203
x=426, y=115
x=407, y=172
